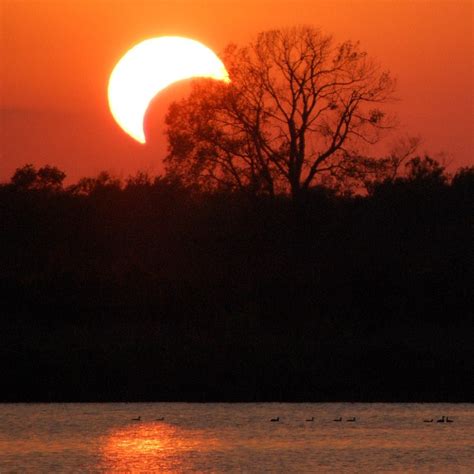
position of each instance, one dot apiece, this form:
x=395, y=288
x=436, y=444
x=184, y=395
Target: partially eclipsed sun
x=150, y=67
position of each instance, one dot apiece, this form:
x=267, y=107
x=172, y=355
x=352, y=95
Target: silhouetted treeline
x=148, y=290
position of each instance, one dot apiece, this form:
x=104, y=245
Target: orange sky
x=56, y=57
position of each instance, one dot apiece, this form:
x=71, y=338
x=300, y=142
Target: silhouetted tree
x=103, y=182
x=50, y=177
x=298, y=105
x=421, y=177
x=463, y=181
x=45, y=178
x=140, y=180
x=425, y=170
x=24, y=177
x=361, y=173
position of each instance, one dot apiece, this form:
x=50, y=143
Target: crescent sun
x=151, y=66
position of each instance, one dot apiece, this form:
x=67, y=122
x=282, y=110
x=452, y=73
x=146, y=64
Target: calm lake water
x=219, y=437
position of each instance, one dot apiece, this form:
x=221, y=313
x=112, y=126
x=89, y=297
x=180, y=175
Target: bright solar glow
x=150, y=67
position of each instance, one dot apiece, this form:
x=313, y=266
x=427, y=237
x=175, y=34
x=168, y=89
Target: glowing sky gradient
x=56, y=58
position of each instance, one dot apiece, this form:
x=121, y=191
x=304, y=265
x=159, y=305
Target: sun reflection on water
x=154, y=447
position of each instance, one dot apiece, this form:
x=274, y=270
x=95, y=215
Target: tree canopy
x=45, y=178
x=298, y=108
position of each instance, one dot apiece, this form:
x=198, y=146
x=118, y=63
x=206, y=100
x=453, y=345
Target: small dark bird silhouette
x=351, y=419
x=275, y=419
x=160, y=419
x=428, y=421
x=338, y=419
x=138, y=418
x=448, y=420
x=310, y=419
x=441, y=420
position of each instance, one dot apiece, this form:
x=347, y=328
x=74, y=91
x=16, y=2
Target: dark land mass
x=152, y=291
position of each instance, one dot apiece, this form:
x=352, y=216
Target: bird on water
x=138, y=418
x=351, y=419
x=275, y=419
x=338, y=419
x=310, y=419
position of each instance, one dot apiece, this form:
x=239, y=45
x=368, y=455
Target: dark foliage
x=154, y=291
